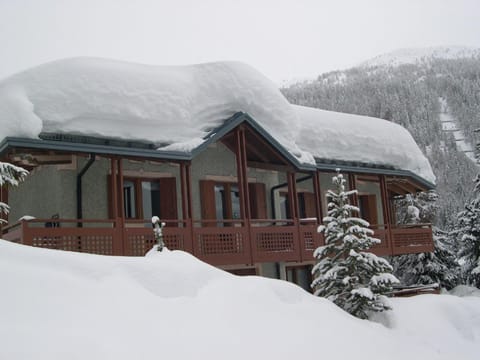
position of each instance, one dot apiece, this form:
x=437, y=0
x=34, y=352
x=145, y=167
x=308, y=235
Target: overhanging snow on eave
x=239, y=118
x=375, y=170
x=14, y=142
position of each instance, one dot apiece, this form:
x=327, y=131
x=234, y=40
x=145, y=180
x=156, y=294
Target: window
x=221, y=201
x=370, y=200
x=227, y=202
x=144, y=198
x=306, y=205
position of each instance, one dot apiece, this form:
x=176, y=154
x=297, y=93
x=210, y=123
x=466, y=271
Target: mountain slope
x=421, y=55
x=409, y=94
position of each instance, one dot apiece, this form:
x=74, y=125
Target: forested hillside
x=411, y=95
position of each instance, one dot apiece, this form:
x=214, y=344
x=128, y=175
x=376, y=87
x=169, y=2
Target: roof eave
x=16, y=142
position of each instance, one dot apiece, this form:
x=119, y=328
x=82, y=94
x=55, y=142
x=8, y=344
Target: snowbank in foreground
x=175, y=107
x=60, y=305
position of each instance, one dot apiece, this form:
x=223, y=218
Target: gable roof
x=180, y=110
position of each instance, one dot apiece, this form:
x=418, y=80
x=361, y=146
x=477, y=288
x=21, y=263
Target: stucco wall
x=51, y=189
x=41, y=195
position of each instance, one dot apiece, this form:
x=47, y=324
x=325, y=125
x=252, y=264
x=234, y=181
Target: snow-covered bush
x=346, y=273
x=10, y=175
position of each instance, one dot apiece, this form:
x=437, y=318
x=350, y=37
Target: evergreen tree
x=346, y=273
x=468, y=232
x=10, y=175
x=439, y=266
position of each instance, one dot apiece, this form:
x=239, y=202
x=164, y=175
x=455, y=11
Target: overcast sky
x=282, y=39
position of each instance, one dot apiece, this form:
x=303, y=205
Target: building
x=240, y=180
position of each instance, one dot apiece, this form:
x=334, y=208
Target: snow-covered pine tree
x=10, y=175
x=468, y=232
x=346, y=273
x=427, y=268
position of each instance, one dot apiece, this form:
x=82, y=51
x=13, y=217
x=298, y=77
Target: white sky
x=283, y=39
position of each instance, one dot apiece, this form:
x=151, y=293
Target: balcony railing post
x=189, y=236
x=26, y=235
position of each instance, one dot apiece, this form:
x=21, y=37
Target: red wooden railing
x=216, y=242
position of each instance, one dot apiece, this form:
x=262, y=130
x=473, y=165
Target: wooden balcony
x=216, y=242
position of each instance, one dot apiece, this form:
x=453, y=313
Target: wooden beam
x=353, y=186
x=407, y=186
x=267, y=166
x=396, y=189
x=318, y=196
x=114, y=188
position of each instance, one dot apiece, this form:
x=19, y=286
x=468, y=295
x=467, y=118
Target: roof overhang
x=14, y=143
x=75, y=147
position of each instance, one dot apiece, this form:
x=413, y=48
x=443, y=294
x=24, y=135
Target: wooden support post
x=242, y=177
x=318, y=197
x=353, y=186
x=187, y=207
x=183, y=187
x=125, y=247
x=114, y=188
x=117, y=241
x=387, y=216
x=293, y=200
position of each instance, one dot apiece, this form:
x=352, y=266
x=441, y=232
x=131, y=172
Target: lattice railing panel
x=220, y=243
x=174, y=241
x=412, y=239
x=274, y=241
x=92, y=244
x=309, y=240
x=140, y=243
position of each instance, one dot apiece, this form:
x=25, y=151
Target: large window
x=144, y=198
x=227, y=201
x=221, y=201
x=370, y=200
x=306, y=205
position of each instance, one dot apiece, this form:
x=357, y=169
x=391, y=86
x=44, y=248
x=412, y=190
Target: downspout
x=79, y=187
x=272, y=204
x=272, y=198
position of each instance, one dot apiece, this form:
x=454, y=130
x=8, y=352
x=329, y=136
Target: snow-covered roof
x=176, y=107
x=334, y=135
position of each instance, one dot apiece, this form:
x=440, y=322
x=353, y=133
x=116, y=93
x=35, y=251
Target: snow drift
x=58, y=305
x=177, y=106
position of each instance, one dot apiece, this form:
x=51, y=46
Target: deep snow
x=62, y=305
x=176, y=107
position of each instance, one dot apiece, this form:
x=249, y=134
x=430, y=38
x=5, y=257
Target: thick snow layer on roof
x=178, y=106
x=333, y=135
x=160, y=104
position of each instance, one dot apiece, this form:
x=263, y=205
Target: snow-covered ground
x=169, y=305
x=449, y=124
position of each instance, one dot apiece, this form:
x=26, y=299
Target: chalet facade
x=238, y=200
